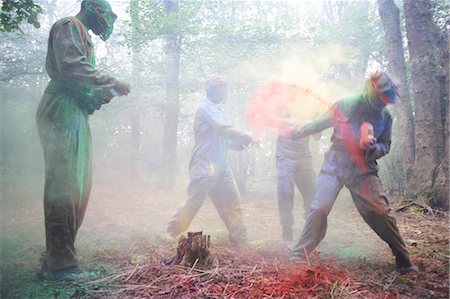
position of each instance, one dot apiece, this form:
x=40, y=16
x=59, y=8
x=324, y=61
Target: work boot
x=71, y=273
x=239, y=242
x=288, y=234
x=297, y=256
x=404, y=265
x=239, y=239
x=172, y=231
x=410, y=269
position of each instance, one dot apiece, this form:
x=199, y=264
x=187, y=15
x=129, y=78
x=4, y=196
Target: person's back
x=211, y=146
x=287, y=148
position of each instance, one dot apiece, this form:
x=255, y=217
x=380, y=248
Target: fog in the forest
x=249, y=44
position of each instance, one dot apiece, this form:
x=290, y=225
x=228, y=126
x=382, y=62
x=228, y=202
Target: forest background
x=167, y=49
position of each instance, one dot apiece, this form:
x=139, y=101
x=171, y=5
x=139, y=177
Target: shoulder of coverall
x=206, y=106
x=206, y=103
x=348, y=106
x=356, y=107
x=72, y=21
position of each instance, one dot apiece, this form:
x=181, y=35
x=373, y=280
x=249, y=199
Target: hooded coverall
x=75, y=90
x=210, y=174
x=294, y=168
x=347, y=165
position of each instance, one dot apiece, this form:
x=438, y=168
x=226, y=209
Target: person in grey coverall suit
x=352, y=163
x=209, y=172
x=294, y=168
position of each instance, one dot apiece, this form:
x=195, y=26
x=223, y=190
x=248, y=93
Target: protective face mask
x=106, y=23
x=101, y=18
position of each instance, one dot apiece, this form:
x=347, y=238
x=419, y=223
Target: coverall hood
x=100, y=16
x=216, y=90
x=380, y=90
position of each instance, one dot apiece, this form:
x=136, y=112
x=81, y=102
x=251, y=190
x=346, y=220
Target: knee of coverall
x=327, y=190
x=378, y=207
x=370, y=198
x=226, y=190
x=197, y=192
x=285, y=188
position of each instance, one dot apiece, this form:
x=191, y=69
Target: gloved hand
x=374, y=152
x=107, y=97
x=368, y=143
x=256, y=141
x=122, y=88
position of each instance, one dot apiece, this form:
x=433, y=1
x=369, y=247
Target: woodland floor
x=123, y=243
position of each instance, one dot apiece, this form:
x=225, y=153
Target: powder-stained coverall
x=294, y=168
x=339, y=169
x=75, y=90
x=210, y=174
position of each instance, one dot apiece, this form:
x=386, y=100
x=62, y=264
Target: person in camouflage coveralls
x=351, y=162
x=208, y=168
x=76, y=89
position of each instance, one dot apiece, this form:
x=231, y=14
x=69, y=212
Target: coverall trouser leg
x=372, y=204
x=290, y=174
x=197, y=192
x=305, y=179
x=314, y=230
x=68, y=179
x=285, y=193
x=226, y=198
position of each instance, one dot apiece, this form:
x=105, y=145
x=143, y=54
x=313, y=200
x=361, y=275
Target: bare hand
x=122, y=88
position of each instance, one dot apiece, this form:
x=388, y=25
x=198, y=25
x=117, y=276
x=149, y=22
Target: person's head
x=216, y=90
x=99, y=16
x=380, y=90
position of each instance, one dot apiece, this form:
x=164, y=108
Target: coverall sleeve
x=236, y=146
x=383, y=144
x=216, y=119
x=323, y=122
x=69, y=46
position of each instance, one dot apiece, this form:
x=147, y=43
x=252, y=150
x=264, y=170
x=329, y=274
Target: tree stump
x=193, y=251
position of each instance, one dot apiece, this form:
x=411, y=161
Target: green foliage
x=441, y=14
x=358, y=28
x=400, y=280
x=14, y=12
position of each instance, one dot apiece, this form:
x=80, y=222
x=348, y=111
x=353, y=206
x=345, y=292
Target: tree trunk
x=135, y=119
x=390, y=17
x=193, y=251
x=441, y=191
x=428, y=177
x=172, y=59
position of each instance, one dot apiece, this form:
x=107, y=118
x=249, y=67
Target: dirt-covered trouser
x=291, y=173
x=66, y=141
x=225, y=196
x=371, y=203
